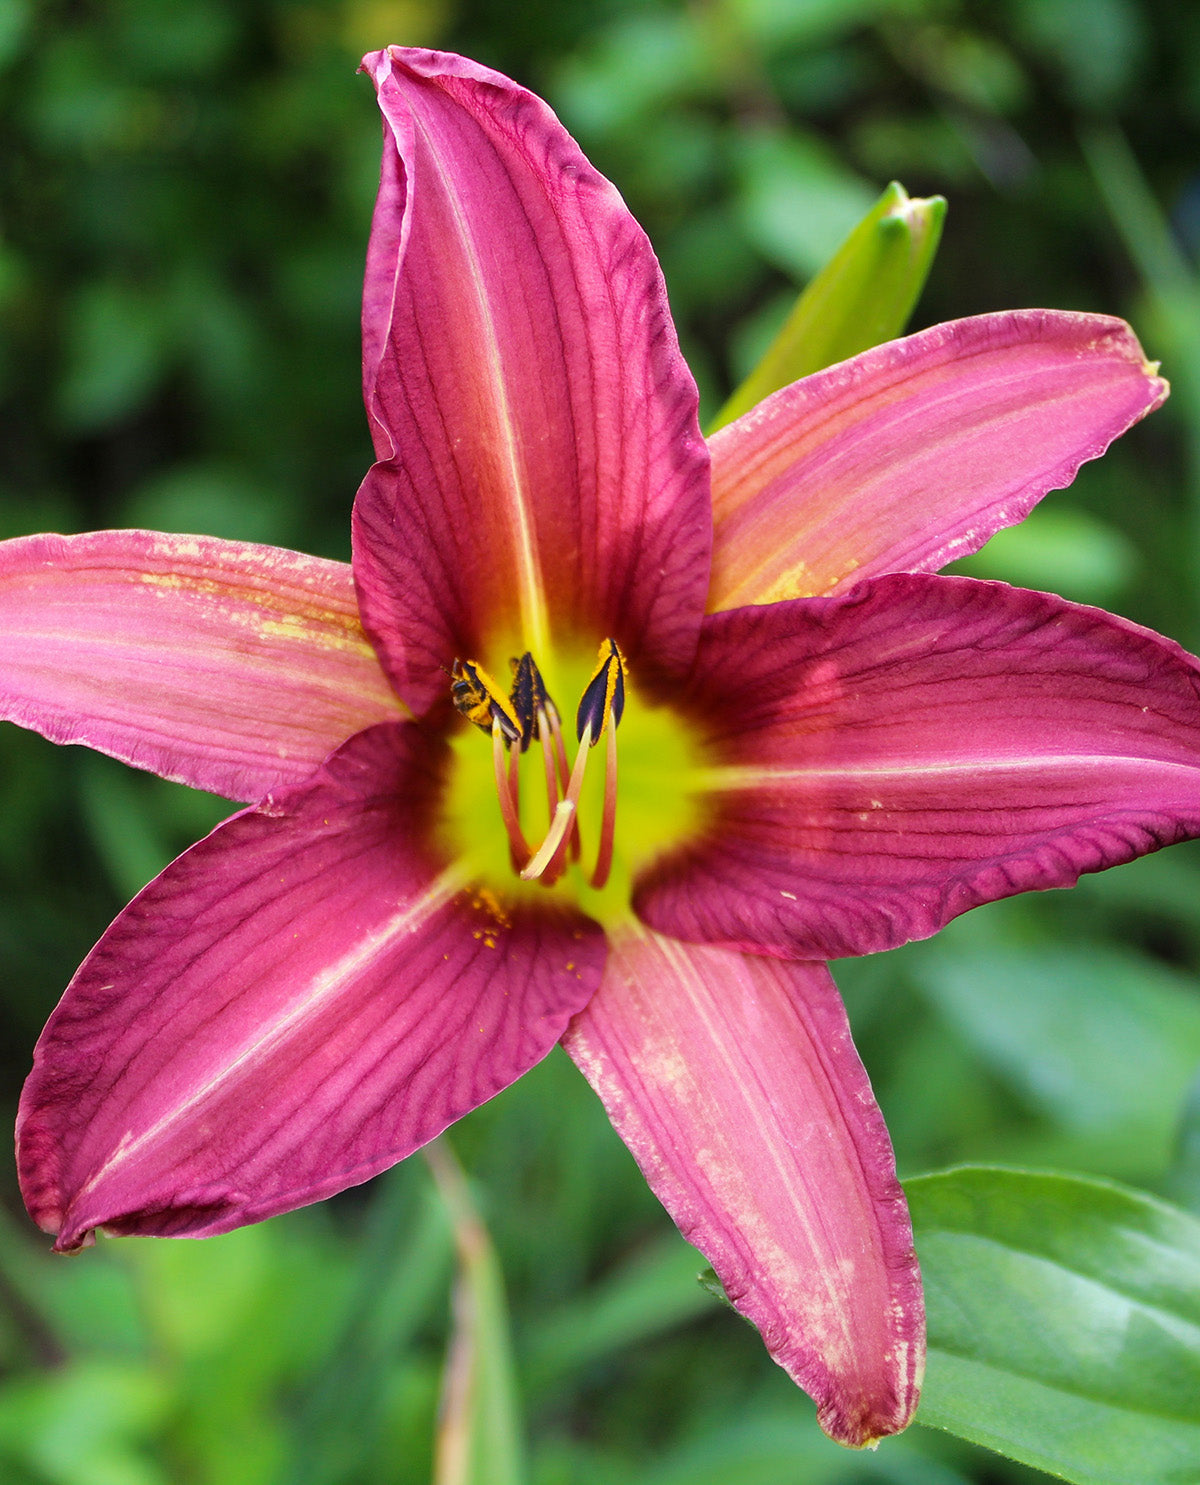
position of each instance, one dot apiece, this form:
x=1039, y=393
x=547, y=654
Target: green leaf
x=863, y=296
x=708, y=1281
x=1183, y=1179
x=1173, y=293
x=211, y=499
x=796, y=197
x=779, y=1446
x=115, y=356
x=1098, y=46
x=1064, y=1323
x=807, y=23
x=90, y=1420
x=14, y=28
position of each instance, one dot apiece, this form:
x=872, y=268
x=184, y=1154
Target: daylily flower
x=824, y=748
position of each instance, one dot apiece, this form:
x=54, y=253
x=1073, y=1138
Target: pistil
x=549, y=765
x=544, y=858
x=564, y=773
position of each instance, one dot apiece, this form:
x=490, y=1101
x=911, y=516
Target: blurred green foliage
x=185, y=192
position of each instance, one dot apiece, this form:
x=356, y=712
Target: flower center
x=535, y=819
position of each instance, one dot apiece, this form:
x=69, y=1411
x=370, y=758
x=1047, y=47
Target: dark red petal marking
x=296, y=1003
x=885, y=761
x=534, y=421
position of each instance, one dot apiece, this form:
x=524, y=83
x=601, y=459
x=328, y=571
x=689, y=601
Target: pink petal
x=735, y=1083
x=297, y=1002
x=885, y=761
x=541, y=468
x=227, y=666
x=914, y=453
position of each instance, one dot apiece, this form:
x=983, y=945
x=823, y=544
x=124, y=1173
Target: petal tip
x=1161, y=386
x=373, y=63
x=862, y=1421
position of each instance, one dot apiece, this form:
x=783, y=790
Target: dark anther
x=477, y=697
x=604, y=695
x=528, y=697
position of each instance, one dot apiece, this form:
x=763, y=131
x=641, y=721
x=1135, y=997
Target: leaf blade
x=1064, y=1323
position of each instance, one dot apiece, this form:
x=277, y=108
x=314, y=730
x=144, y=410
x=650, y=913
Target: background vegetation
x=185, y=191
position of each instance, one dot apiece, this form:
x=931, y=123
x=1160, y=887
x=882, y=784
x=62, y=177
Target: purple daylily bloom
x=826, y=749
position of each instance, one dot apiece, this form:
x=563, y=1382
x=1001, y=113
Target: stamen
x=514, y=780
x=517, y=844
x=528, y=713
x=604, y=695
x=528, y=697
x=479, y=698
x=604, y=855
x=549, y=764
x=560, y=751
x=564, y=815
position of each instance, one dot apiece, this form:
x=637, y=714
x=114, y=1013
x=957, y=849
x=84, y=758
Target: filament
x=517, y=843
x=552, y=776
x=604, y=854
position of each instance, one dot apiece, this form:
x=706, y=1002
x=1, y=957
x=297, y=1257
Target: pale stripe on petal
x=225, y=665
x=879, y=763
x=306, y=1004
x=916, y=452
x=297, y=1002
x=541, y=474
x=735, y=1083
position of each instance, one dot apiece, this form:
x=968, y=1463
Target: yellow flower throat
x=521, y=815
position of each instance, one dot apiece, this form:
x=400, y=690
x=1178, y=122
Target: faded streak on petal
x=308, y=1000
x=540, y=464
x=469, y=309
x=734, y=1081
x=879, y=763
x=916, y=452
x=225, y=665
x=297, y=1002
